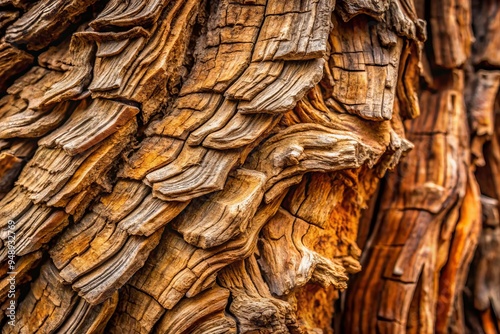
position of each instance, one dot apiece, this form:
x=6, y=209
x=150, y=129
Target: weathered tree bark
x=249, y=166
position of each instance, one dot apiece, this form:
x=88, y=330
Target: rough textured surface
x=214, y=166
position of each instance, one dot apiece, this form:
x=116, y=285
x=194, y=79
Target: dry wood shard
x=20, y=115
x=99, y=257
x=104, y=245
x=225, y=214
x=124, y=198
x=176, y=268
x=317, y=148
x=282, y=94
x=364, y=74
x=188, y=113
x=113, y=58
x=29, y=123
x=90, y=255
x=51, y=169
x=220, y=118
x=56, y=184
x=144, y=69
x=45, y=21
x=47, y=304
x=88, y=319
x=13, y=61
x=252, y=303
x=35, y=224
x=287, y=264
x=151, y=215
x=224, y=55
x=296, y=30
x=241, y=130
x=54, y=308
x=75, y=80
x=255, y=79
x=154, y=152
x=203, y=313
x=136, y=313
x=133, y=13
x=100, y=284
x=76, y=239
x=84, y=129
x=210, y=175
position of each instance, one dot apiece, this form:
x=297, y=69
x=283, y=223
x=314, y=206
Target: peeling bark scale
x=249, y=166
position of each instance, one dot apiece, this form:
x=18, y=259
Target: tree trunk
x=249, y=166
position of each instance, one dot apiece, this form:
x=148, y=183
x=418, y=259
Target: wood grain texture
x=211, y=166
x=13, y=61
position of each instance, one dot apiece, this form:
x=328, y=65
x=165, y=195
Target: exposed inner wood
x=250, y=166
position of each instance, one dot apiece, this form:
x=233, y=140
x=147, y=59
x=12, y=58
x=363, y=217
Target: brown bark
x=258, y=166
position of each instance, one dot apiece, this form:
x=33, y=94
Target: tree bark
x=249, y=166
